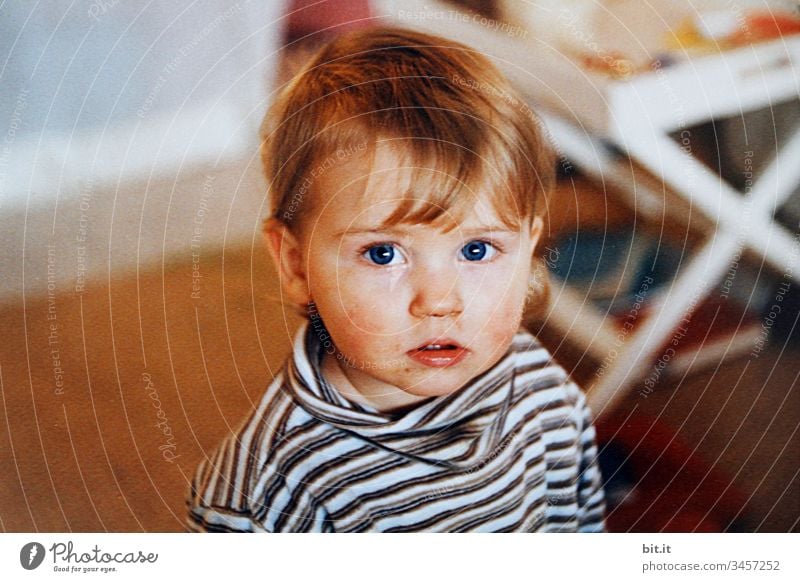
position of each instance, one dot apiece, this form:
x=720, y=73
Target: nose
x=437, y=292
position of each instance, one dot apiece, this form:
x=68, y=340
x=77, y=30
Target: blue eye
x=477, y=250
x=382, y=254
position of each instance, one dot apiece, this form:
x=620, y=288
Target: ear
x=286, y=253
x=537, y=225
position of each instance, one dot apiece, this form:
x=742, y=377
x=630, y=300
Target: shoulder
x=542, y=383
x=535, y=367
x=230, y=477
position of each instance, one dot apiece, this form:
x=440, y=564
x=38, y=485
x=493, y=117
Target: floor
x=112, y=396
x=154, y=371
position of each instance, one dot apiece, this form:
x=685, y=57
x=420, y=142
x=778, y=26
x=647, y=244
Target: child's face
x=412, y=308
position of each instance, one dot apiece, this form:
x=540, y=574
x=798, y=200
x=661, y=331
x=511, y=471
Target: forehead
x=385, y=186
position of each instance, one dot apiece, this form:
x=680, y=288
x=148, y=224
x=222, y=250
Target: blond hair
x=464, y=130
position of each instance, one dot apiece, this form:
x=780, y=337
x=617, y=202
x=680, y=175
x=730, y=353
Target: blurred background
x=139, y=313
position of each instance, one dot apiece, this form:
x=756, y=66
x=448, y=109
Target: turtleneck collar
x=456, y=430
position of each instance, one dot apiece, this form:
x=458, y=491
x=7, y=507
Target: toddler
x=405, y=182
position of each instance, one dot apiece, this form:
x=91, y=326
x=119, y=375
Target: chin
x=432, y=388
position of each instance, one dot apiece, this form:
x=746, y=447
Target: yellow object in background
x=721, y=30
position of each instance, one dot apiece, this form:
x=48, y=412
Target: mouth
x=438, y=353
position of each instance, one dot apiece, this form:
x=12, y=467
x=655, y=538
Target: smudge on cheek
x=364, y=309
x=378, y=305
x=373, y=317
x=507, y=320
x=395, y=280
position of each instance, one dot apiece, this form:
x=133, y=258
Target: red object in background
x=308, y=17
x=674, y=490
x=760, y=26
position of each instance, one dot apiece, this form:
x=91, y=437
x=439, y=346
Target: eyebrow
x=468, y=232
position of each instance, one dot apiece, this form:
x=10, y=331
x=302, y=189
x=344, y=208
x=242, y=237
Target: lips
x=438, y=353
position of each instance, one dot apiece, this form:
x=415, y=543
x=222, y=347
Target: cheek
x=361, y=334
x=370, y=304
x=500, y=330
x=502, y=300
x=355, y=302
x=501, y=290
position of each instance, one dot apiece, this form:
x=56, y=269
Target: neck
x=382, y=397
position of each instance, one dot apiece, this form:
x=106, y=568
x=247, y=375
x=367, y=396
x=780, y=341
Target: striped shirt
x=513, y=450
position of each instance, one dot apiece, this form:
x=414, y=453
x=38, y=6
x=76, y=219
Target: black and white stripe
x=514, y=450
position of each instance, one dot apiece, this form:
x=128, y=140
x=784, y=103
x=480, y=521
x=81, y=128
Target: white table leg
x=778, y=180
x=717, y=200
